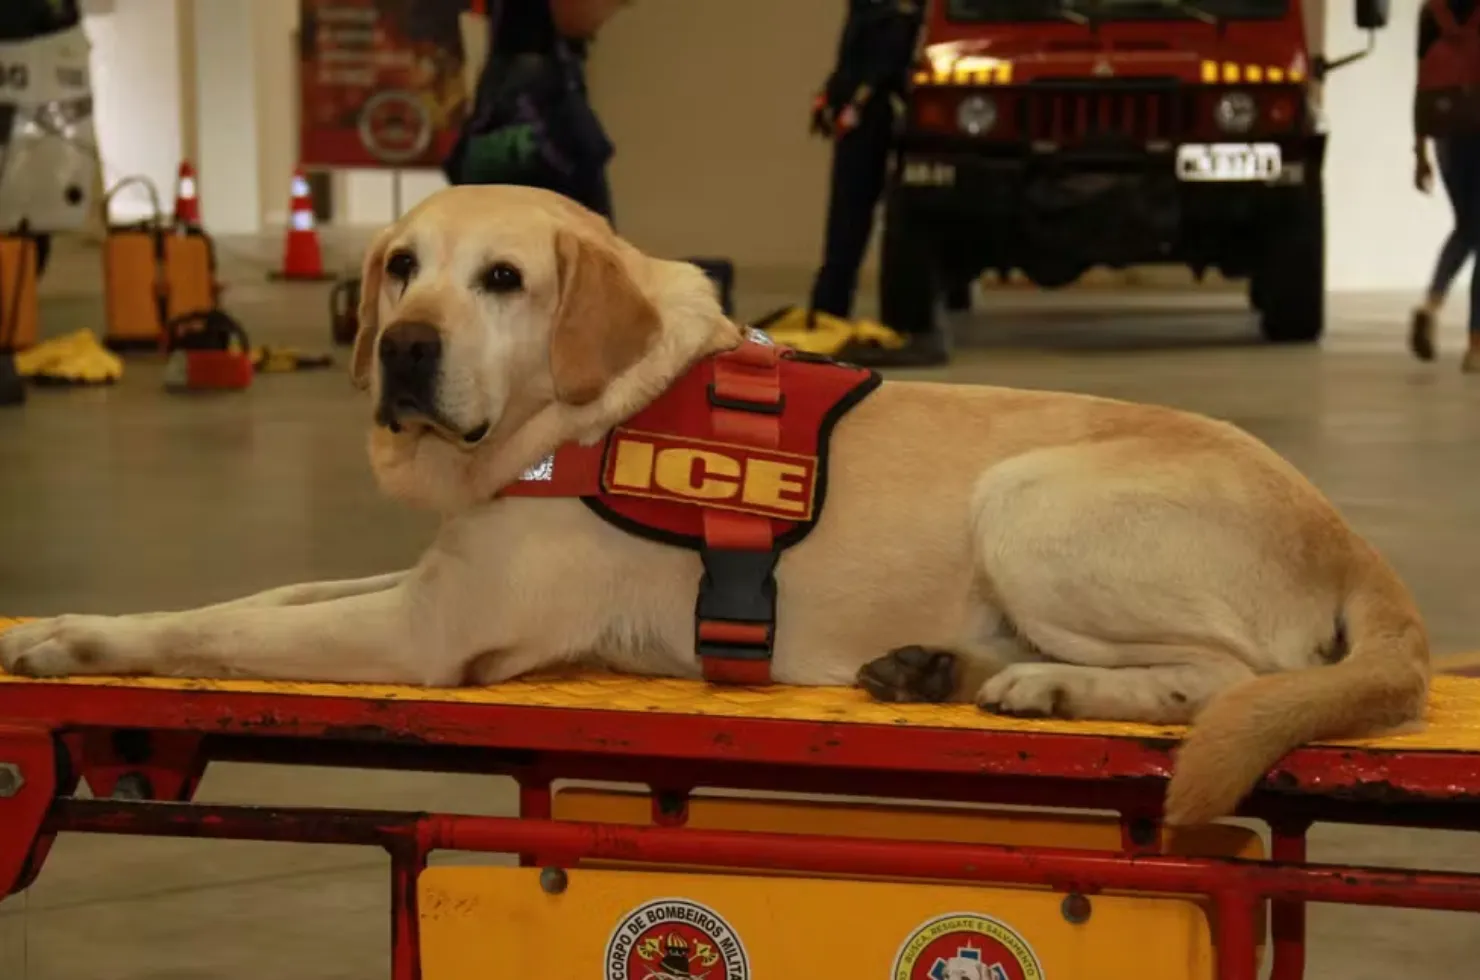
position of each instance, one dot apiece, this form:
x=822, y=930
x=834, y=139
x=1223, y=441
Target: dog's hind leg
x=1016, y=678
x=939, y=674
x=1167, y=694
x=1148, y=584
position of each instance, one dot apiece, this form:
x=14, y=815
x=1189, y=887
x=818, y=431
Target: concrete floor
x=126, y=498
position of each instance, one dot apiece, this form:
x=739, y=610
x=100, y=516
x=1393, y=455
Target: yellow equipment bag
x=154, y=273
x=19, y=314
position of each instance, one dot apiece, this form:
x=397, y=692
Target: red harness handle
x=735, y=619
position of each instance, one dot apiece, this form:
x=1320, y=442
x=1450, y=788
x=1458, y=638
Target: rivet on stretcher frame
x=553, y=881
x=11, y=779
x=1076, y=908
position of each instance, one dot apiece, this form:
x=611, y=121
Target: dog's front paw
x=1027, y=691
x=60, y=646
x=911, y=674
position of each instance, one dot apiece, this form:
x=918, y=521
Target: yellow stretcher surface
x=1451, y=724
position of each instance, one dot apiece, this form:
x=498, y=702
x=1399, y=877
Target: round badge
x=966, y=946
x=675, y=939
x=395, y=126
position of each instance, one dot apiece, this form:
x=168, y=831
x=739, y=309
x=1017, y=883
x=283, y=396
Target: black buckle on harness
x=737, y=587
x=743, y=405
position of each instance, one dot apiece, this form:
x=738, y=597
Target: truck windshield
x=1103, y=10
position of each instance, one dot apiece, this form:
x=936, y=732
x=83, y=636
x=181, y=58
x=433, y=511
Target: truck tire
x=1256, y=293
x=1291, y=286
x=907, y=280
x=958, y=297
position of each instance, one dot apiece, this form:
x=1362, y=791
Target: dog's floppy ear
x=603, y=323
x=372, y=274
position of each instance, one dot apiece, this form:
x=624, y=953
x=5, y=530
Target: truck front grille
x=1068, y=114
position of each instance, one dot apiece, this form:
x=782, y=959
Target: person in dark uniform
x=1458, y=159
x=858, y=109
x=530, y=62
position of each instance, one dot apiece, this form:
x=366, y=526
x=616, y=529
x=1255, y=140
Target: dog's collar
x=750, y=371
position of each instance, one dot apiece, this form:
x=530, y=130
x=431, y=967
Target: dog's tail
x=1381, y=682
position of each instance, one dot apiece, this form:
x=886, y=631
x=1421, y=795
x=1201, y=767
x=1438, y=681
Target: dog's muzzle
x=410, y=368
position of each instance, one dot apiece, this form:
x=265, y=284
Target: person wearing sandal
x=1447, y=111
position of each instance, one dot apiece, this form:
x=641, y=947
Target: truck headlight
x=1235, y=112
x=977, y=115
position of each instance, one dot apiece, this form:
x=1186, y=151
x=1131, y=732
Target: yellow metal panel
x=1210, y=71
x=961, y=825
x=975, y=825
x=482, y=922
x=1452, y=723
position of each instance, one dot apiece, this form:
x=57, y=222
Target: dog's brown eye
x=401, y=265
x=501, y=277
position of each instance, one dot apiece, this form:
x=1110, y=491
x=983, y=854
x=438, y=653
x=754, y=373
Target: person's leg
x=1472, y=354
x=860, y=163
x=1463, y=181
x=1452, y=255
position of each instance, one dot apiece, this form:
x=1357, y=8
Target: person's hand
x=579, y=20
x=823, y=119
x=1423, y=173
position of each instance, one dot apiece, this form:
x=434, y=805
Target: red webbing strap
x=573, y=471
x=740, y=549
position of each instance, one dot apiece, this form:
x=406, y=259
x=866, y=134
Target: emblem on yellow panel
x=966, y=946
x=675, y=939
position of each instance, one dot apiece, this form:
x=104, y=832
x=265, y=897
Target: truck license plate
x=1227, y=162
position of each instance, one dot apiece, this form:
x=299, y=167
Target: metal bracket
x=28, y=784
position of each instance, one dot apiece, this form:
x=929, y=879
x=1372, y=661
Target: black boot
x=12, y=385
x=920, y=350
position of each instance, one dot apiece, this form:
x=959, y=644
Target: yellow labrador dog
x=1038, y=553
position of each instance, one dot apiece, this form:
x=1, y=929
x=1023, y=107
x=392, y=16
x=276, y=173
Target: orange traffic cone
x=187, y=199
x=301, y=256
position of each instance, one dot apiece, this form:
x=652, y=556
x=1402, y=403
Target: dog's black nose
x=410, y=358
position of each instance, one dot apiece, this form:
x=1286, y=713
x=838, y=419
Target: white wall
x=226, y=134
x=273, y=42
x=136, y=93
x=368, y=197
x=1382, y=234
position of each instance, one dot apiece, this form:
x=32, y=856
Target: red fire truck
x=1053, y=136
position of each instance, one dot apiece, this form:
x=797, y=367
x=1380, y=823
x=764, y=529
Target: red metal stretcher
x=142, y=745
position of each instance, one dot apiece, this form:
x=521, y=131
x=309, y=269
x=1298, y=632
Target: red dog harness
x=731, y=461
